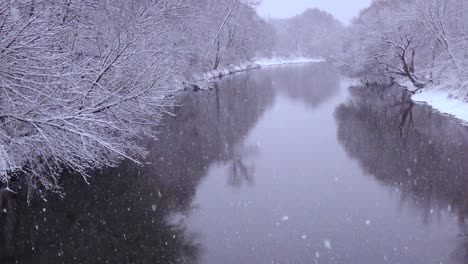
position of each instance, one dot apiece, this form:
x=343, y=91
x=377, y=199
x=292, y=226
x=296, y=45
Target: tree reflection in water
x=8, y=221
x=128, y=214
x=137, y=214
x=322, y=83
x=239, y=171
x=405, y=146
x=311, y=84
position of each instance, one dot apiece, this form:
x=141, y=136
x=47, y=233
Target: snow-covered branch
x=81, y=80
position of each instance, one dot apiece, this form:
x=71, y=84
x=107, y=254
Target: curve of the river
x=286, y=164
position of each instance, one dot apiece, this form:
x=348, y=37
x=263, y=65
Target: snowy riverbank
x=280, y=61
x=445, y=101
x=229, y=69
x=263, y=62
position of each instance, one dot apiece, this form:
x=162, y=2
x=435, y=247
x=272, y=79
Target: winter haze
x=344, y=10
x=233, y=131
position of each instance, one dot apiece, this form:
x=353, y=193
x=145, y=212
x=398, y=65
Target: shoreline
x=256, y=64
x=439, y=100
x=443, y=102
x=442, y=99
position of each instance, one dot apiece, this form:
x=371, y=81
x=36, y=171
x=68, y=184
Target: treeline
x=80, y=81
x=419, y=42
x=314, y=33
x=217, y=124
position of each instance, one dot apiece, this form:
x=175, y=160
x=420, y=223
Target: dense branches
x=424, y=42
x=81, y=80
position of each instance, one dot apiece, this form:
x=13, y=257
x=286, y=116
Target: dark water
x=280, y=165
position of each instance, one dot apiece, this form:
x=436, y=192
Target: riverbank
x=280, y=61
x=256, y=64
x=446, y=101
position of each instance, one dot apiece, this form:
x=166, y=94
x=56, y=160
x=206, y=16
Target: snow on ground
x=441, y=100
x=231, y=69
x=280, y=61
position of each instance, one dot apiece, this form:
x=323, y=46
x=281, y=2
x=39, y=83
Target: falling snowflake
x=327, y=244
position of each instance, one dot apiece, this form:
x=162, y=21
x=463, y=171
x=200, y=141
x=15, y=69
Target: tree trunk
x=218, y=57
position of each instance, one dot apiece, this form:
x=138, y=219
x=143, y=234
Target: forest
x=233, y=131
x=82, y=82
x=414, y=43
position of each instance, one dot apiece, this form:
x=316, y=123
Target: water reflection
x=8, y=207
x=311, y=84
x=251, y=224
x=420, y=155
x=239, y=171
x=127, y=213
x=252, y=172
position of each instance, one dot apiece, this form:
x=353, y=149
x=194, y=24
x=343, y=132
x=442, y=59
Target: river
x=285, y=164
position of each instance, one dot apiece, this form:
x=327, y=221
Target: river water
x=287, y=164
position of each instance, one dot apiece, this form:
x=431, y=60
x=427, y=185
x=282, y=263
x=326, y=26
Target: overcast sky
x=344, y=10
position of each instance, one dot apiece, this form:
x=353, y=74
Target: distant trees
x=237, y=31
x=81, y=80
x=423, y=42
x=313, y=33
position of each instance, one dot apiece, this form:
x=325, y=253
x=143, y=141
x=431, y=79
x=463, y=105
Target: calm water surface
x=280, y=165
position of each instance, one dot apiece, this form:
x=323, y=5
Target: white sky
x=343, y=10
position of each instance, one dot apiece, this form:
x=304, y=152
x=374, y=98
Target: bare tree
x=424, y=42
x=232, y=38
x=80, y=81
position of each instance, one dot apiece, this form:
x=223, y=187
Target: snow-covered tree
x=423, y=42
x=233, y=29
x=80, y=81
x=312, y=33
